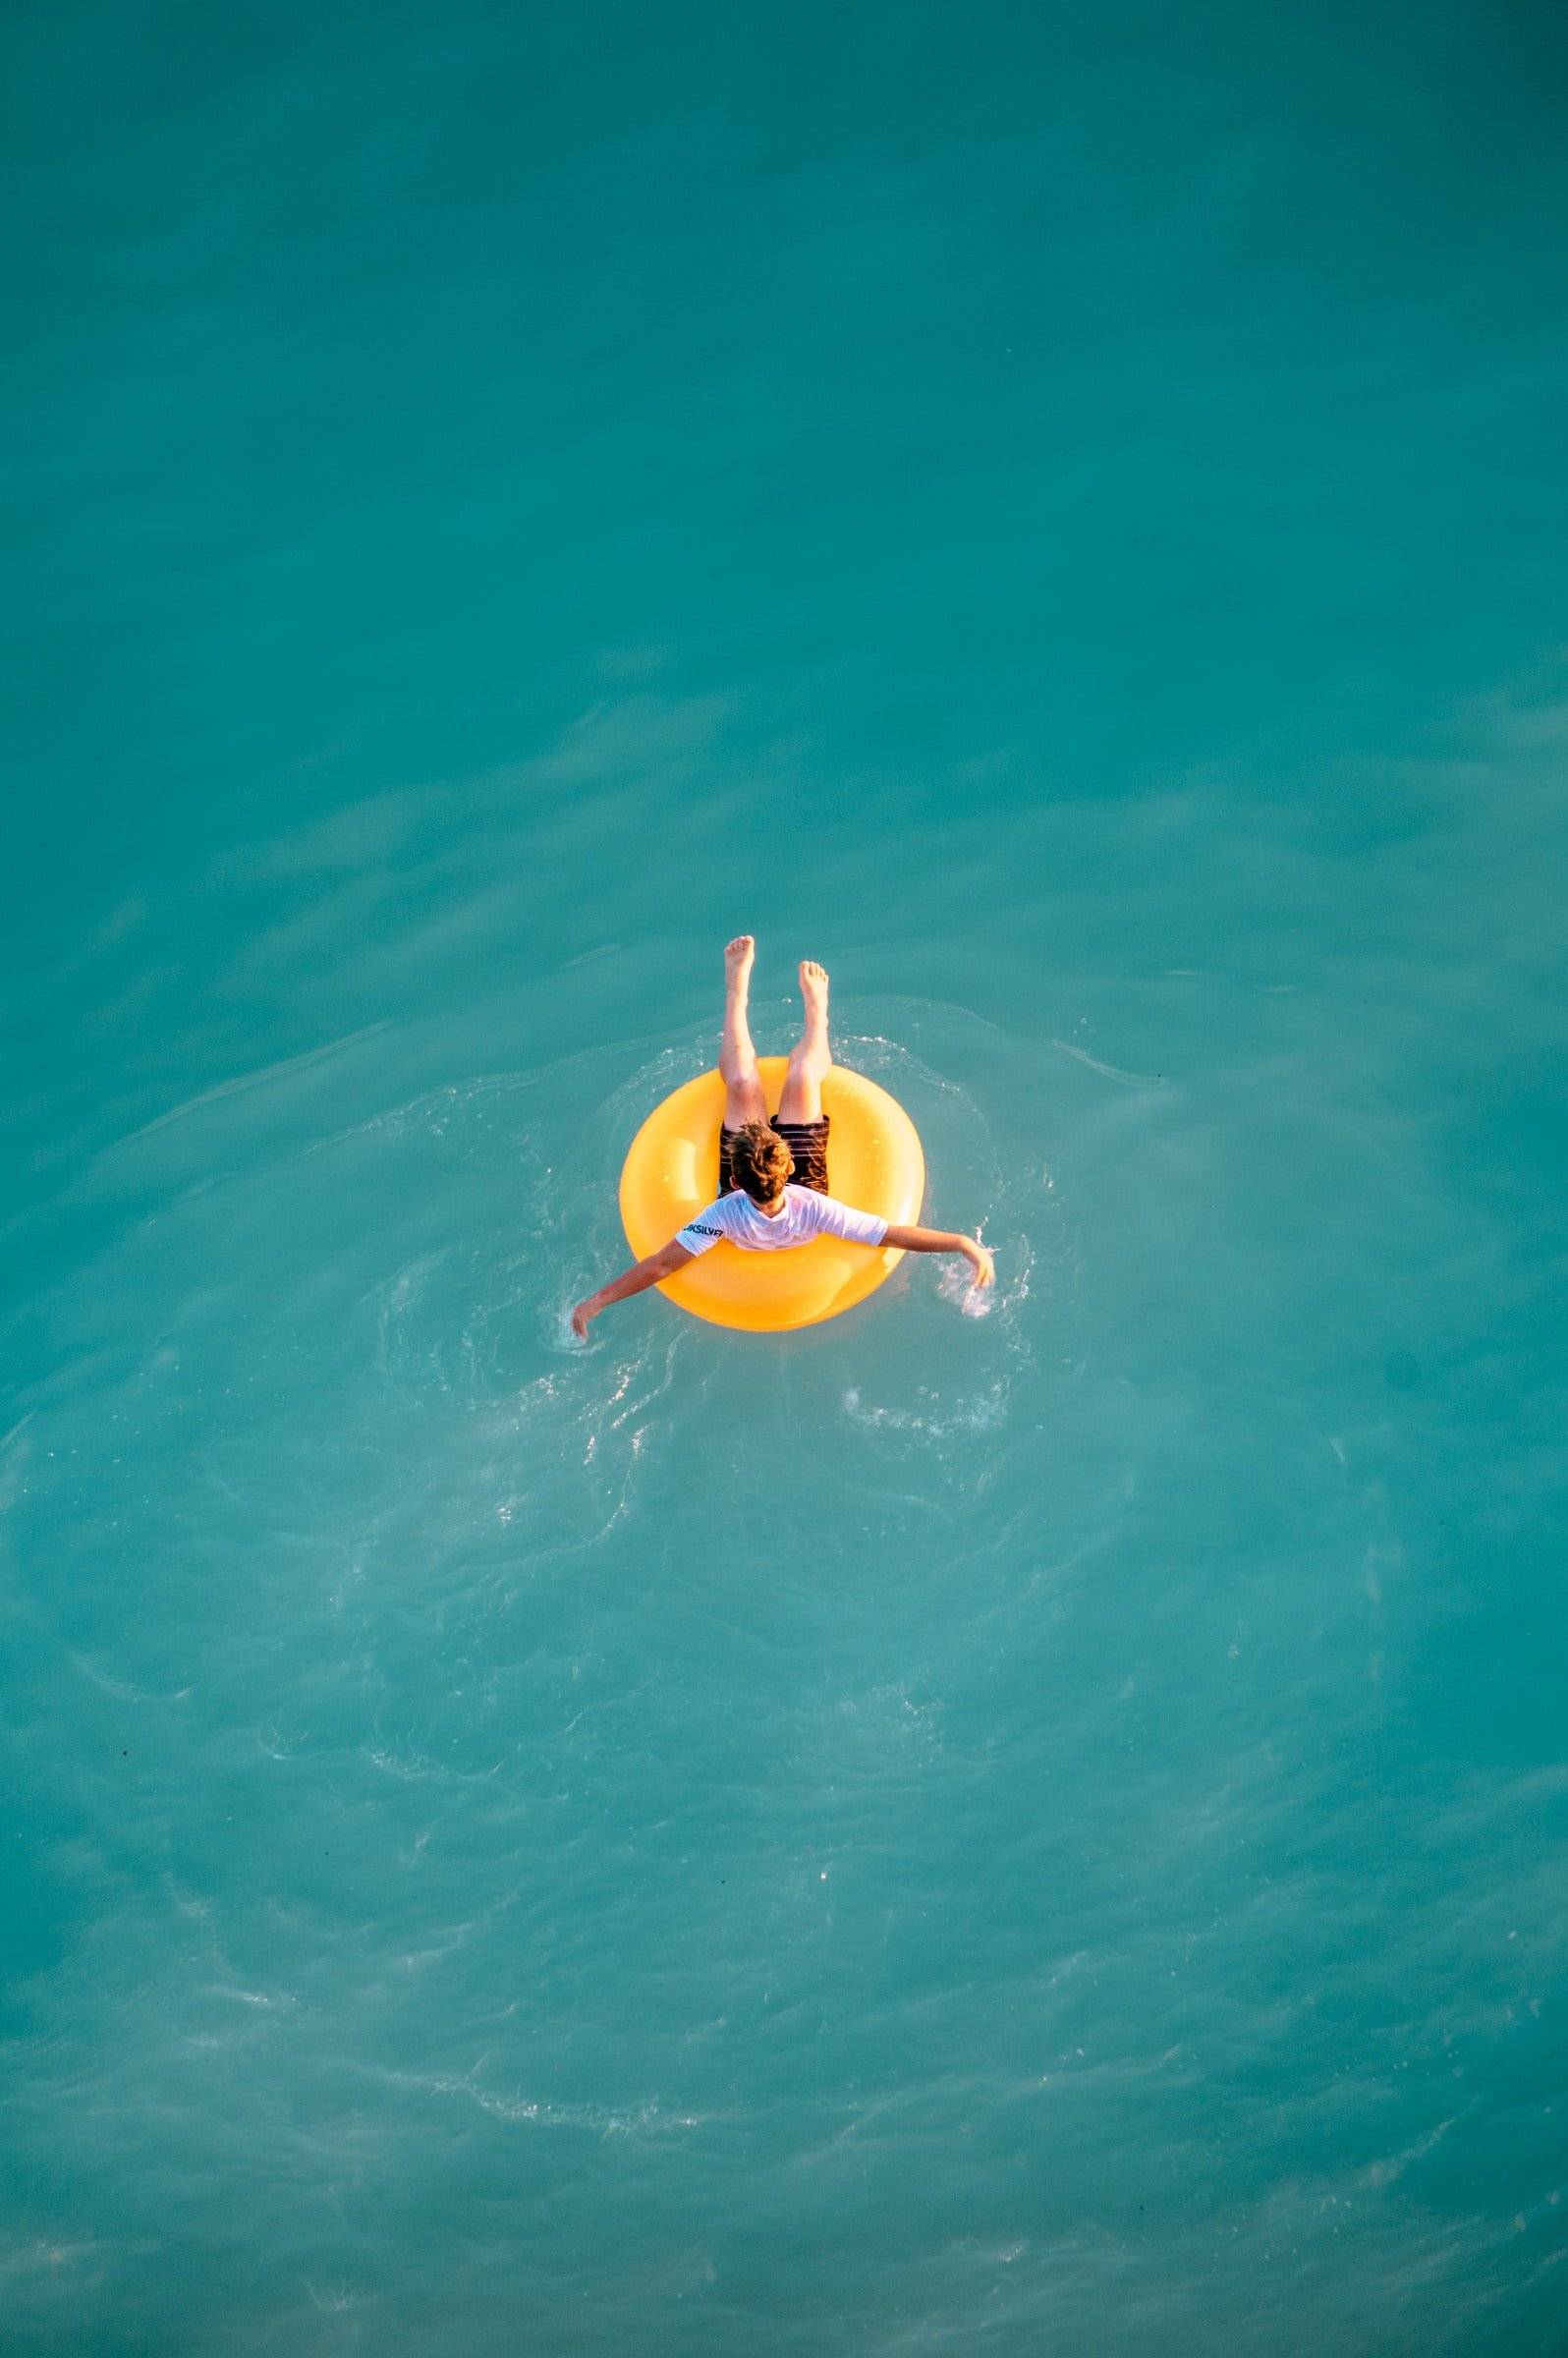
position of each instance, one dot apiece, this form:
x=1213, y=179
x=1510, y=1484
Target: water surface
x=1034, y=1832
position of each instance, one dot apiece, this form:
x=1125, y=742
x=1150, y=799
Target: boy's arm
x=635, y=1280
x=942, y=1240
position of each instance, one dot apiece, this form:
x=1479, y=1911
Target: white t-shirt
x=805, y=1215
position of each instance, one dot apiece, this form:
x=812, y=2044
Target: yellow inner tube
x=671, y=1173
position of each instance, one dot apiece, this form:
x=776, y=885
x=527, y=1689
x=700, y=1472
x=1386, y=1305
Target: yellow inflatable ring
x=671, y=1173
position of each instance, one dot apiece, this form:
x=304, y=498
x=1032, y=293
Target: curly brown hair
x=760, y=1161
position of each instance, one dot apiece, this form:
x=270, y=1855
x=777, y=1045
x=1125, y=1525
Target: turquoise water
x=1038, y=1833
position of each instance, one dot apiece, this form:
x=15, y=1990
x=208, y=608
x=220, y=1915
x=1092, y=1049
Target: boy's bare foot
x=813, y=991
x=738, y=957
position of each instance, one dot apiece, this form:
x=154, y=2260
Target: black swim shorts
x=806, y=1141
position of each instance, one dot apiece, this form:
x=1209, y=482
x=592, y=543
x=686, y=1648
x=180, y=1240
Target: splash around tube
x=873, y=1161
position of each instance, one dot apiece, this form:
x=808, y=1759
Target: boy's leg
x=812, y=1057
x=743, y=1101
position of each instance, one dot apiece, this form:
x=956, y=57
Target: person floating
x=773, y=1173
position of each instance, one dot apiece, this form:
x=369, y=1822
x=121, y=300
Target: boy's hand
x=981, y=1261
x=579, y=1321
